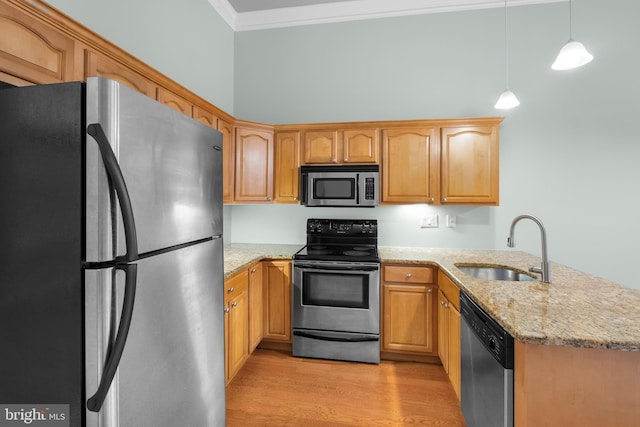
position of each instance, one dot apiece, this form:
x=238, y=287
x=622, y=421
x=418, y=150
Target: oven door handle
x=362, y=338
x=309, y=267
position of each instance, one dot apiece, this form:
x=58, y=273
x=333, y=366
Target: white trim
x=351, y=11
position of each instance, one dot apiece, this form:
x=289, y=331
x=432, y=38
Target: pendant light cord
x=570, y=14
x=506, y=47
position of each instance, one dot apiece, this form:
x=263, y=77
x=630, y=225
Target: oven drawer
x=336, y=345
x=407, y=274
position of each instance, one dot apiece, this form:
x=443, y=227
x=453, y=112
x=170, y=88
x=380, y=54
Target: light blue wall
x=569, y=152
x=187, y=41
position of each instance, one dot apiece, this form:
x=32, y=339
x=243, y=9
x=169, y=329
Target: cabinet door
x=469, y=166
x=321, y=147
x=277, y=300
x=236, y=296
x=238, y=350
x=256, y=306
x=228, y=160
x=205, y=117
x=360, y=146
x=98, y=65
x=408, y=318
x=32, y=52
x=254, y=165
x=407, y=165
x=443, y=330
x=174, y=101
x=454, y=349
x=287, y=167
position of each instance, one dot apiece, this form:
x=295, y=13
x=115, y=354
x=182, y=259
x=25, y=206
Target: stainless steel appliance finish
x=113, y=257
x=487, y=368
x=545, y=268
x=339, y=185
x=336, y=292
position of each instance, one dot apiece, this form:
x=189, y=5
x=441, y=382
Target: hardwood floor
x=276, y=389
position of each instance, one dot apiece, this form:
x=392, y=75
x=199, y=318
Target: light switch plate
x=452, y=221
x=429, y=221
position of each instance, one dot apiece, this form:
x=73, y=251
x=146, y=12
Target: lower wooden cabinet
x=408, y=307
x=449, y=329
x=277, y=300
x=256, y=306
x=236, y=325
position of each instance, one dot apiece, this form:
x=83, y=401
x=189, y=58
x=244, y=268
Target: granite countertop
x=576, y=309
x=241, y=255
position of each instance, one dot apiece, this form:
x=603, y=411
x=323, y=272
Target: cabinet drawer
x=449, y=289
x=407, y=274
x=236, y=285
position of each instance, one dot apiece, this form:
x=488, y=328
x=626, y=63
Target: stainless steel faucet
x=545, y=270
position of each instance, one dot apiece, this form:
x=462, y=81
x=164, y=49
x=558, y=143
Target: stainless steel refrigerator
x=111, y=259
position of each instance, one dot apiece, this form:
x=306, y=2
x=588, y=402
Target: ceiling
x=245, y=15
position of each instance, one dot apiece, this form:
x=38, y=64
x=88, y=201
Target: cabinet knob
x=444, y=200
x=345, y=160
x=295, y=198
x=234, y=304
x=230, y=290
x=226, y=309
x=429, y=290
x=253, y=270
x=408, y=275
x=269, y=198
x=334, y=160
x=431, y=200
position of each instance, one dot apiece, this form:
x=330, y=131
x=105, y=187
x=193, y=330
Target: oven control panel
x=343, y=227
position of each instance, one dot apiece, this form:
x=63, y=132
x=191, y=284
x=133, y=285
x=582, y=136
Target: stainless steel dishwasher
x=486, y=368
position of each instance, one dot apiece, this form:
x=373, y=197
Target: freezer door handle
x=113, y=358
x=117, y=180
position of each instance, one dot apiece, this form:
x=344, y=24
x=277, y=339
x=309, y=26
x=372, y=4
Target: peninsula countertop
x=576, y=309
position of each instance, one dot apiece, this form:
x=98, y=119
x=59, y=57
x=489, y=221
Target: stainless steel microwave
x=339, y=185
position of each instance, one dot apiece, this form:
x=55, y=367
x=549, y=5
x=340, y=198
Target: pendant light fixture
x=507, y=99
x=573, y=54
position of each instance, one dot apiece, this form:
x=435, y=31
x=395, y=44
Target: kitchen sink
x=495, y=273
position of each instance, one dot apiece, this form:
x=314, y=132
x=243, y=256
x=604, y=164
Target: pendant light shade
x=507, y=100
x=573, y=54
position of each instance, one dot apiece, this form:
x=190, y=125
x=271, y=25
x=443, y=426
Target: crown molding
x=351, y=11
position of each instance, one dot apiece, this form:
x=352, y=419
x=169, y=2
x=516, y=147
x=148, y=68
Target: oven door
x=336, y=296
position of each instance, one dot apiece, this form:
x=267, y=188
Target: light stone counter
x=576, y=309
x=241, y=255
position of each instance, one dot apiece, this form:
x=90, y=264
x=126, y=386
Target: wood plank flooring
x=276, y=389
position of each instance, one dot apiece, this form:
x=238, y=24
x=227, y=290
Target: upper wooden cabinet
x=205, y=117
x=174, y=101
x=469, y=170
x=228, y=160
x=454, y=162
x=99, y=65
x=340, y=146
x=407, y=165
x=32, y=52
x=253, y=163
x=287, y=167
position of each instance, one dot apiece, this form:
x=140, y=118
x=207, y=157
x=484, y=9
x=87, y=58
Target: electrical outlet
x=429, y=221
x=452, y=221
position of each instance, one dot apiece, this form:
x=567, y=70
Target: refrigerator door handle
x=117, y=180
x=113, y=359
